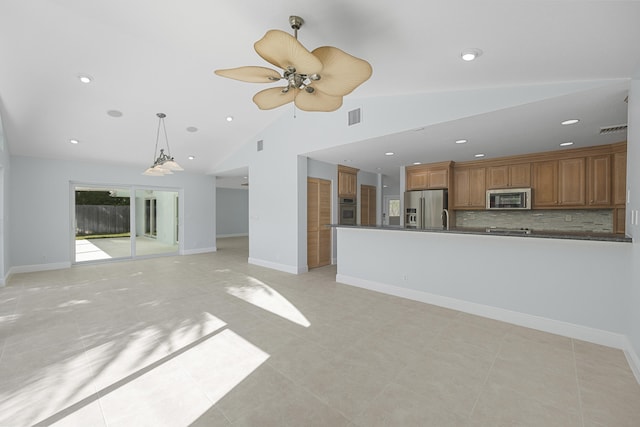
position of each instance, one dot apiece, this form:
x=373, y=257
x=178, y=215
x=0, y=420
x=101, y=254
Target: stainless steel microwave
x=509, y=198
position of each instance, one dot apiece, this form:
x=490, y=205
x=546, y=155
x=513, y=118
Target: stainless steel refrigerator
x=426, y=209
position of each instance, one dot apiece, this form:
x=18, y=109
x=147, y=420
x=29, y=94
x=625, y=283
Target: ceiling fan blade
x=250, y=74
x=341, y=72
x=272, y=98
x=283, y=50
x=317, y=101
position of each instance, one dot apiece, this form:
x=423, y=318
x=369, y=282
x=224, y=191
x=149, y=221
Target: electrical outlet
x=404, y=277
x=568, y=218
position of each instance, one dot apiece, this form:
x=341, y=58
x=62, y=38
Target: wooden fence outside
x=103, y=219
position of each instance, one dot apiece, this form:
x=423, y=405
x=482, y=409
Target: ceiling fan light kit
x=315, y=81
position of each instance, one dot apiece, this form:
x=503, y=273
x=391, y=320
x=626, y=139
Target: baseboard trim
x=280, y=267
x=633, y=359
x=199, y=251
x=584, y=333
x=38, y=267
x=222, y=236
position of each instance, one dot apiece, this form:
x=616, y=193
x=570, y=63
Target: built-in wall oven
x=347, y=214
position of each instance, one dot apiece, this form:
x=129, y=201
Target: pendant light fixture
x=164, y=163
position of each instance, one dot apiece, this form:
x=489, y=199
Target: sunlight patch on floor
x=261, y=295
x=87, y=251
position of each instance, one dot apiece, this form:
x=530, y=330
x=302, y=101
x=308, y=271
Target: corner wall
x=633, y=204
x=5, y=178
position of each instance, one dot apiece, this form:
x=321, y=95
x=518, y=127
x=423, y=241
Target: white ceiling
x=156, y=56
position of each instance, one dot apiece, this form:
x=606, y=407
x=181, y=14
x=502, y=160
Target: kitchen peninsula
x=523, y=280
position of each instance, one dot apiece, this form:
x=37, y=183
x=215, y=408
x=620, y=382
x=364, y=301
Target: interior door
x=318, y=217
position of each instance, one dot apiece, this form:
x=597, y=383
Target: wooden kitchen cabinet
x=509, y=176
x=545, y=183
x=367, y=205
x=619, y=178
x=347, y=182
x=599, y=180
x=428, y=177
x=559, y=183
x=469, y=188
x=572, y=182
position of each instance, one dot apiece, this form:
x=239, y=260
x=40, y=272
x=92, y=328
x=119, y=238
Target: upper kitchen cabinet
x=509, y=176
x=428, y=177
x=545, y=183
x=572, y=182
x=469, y=188
x=599, y=180
x=620, y=178
x=347, y=182
x=559, y=183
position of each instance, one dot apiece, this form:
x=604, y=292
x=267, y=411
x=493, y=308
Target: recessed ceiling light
x=192, y=129
x=570, y=122
x=461, y=141
x=479, y=155
x=378, y=169
x=566, y=144
x=73, y=141
x=385, y=186
x=245, y=177
x=389, y=153
x=191, y=157
x=229, y=118
x=470, y=54
x=85, y=78
x=114, y=113
x=348, y=160
x=417, y=163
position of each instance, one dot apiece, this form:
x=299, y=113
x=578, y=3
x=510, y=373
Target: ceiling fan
x=315, y=81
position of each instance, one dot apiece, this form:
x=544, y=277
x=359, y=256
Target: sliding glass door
x=156, y=222
x=121, y=222
x=102, y=223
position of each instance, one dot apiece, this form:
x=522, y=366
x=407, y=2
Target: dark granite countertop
x=602, y=237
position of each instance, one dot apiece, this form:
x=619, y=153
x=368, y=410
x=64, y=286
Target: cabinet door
x=498, y=177
x=417, y=181
x=438, y=178
x=545, y=183
x=469, y=188
x=520, y=175
x=571, y=181
x=619, y=178
x=599, y=180
x=460, y=188
x=347, y=184
x=477, y=187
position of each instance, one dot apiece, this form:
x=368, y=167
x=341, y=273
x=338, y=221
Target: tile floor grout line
x=575, y=368
x=486, y=378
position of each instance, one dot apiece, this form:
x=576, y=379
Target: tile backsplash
x=588, y=220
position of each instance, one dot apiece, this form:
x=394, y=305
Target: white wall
x=581, y=283
x=633, y=187
x=40, y=206
x=232, y=212
x=5, y=260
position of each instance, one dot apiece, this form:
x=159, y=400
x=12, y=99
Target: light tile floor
x=209, y=340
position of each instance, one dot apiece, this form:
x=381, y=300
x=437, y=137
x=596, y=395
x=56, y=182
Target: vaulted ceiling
x=150, y=56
